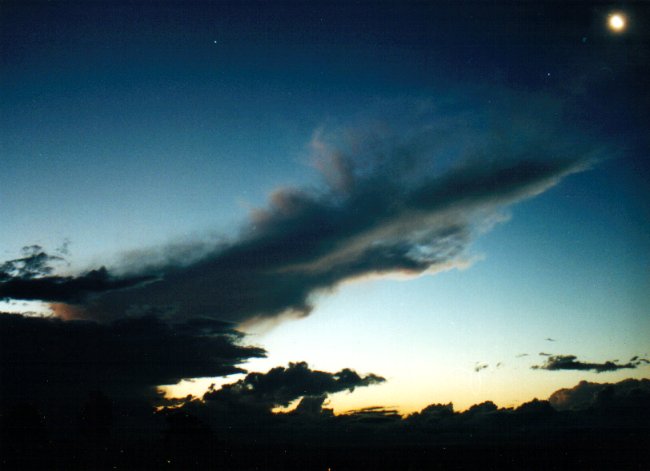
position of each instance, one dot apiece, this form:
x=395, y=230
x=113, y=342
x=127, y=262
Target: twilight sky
x=444, y=194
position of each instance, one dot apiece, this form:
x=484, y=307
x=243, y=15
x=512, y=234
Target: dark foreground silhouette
x=591, y=426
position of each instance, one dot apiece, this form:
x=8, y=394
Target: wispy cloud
x=480, y=366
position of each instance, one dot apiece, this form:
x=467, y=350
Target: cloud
x=247, y=405
x=372, y=419
x=67, y=289
x=432, y=413
x=480, y=366
x=30, y=278
x=308, y=243
x=407, y=199
x=312, y=406
x=47, y=360
x=482, y=408
x=407, y=202
x=34, y=263
x=235, y=423
x=586, y=394
x=570, y=362
x=281, y=386
x=76, y=375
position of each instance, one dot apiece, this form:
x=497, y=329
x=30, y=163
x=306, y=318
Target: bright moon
x=617, y=22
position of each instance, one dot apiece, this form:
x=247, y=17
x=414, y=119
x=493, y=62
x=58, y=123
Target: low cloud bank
x=54, y=363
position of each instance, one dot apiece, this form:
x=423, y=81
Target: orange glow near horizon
x=462, y=390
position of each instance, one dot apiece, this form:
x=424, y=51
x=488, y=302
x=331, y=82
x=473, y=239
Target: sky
x=449, y=196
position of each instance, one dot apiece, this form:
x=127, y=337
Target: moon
x=617, y=22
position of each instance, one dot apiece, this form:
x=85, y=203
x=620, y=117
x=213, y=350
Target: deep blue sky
x=131, y=125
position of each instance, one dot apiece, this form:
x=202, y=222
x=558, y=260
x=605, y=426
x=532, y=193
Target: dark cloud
x=246, y=406
x=581, y=396
x=387, y=205
x=405, y=201
x=371, y=419
x=586, y=394
x=624, y=398
x=30, y=278
x=281, y=386
x=235, y=423
x=34, y=263
x=549, y=339
x=544, y=354
x=431, y=415
x=570, y=362
x=67, y=289
x=482, y=408
x=84, y=378
x=50, y=360
x=521, y=355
